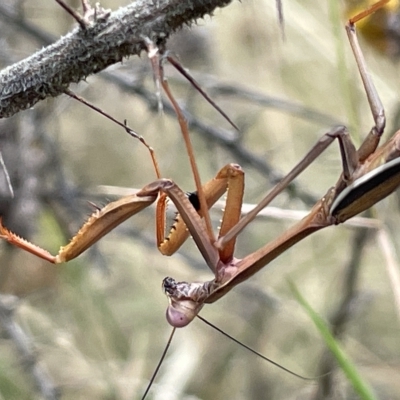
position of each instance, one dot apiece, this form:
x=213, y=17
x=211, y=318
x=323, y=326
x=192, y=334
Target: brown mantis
x=369, y=175
x=331, y=209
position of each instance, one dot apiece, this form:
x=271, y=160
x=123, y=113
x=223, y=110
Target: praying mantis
x=369, y=175
x=183, y=309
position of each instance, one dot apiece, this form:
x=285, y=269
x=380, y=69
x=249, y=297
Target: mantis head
x=185, y=301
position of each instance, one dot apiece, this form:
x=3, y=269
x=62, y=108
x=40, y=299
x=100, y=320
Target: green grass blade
x=359, y=384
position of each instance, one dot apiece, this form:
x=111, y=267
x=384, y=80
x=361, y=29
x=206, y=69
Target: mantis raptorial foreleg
x=99, y=224
x=229, y=177
x=102, y=221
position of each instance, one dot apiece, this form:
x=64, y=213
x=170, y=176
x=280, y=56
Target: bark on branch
x=87, y=51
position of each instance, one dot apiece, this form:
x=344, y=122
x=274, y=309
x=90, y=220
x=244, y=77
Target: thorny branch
x=107, y=40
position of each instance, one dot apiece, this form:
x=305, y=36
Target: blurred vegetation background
x=96, y=327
